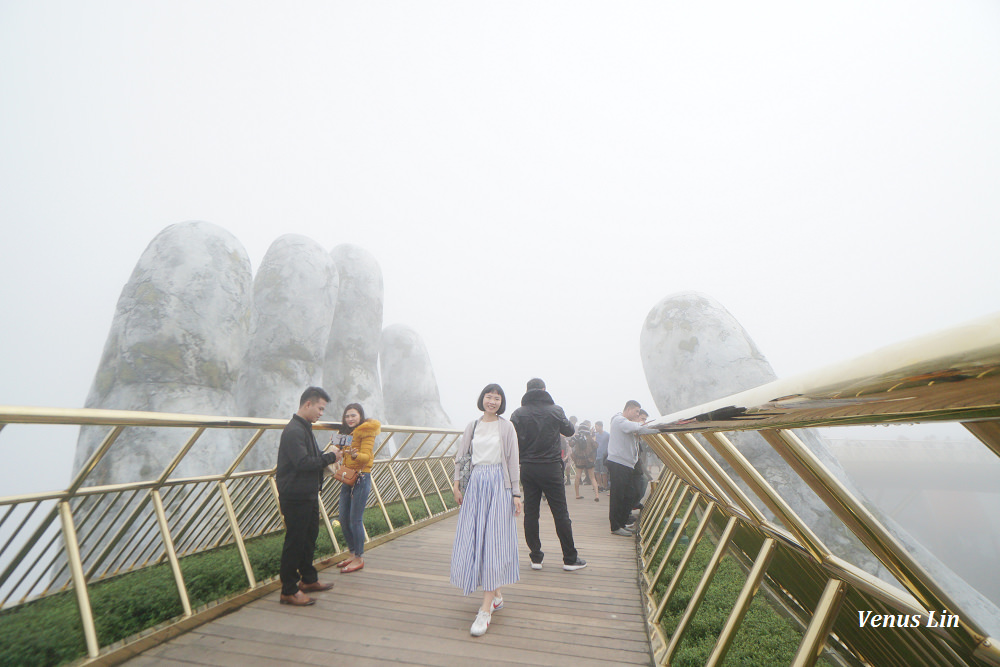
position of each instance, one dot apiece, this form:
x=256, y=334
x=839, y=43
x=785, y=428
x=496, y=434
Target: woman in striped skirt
x=485, y=551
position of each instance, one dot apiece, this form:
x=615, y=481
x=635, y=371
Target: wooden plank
x=402, y=609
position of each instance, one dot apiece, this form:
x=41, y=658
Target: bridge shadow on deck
x=402, y=609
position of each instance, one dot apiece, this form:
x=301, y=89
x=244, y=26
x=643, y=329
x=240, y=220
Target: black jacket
x=299, y=473
x=538, y=423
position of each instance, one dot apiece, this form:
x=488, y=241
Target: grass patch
x=49, y=631
x=765, y=637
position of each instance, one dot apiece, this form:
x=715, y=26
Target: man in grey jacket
x=623, y=453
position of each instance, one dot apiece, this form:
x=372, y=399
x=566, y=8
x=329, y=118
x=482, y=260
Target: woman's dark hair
x=344, y=428
x=492, y=389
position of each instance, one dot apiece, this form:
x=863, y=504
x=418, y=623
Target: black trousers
x=299, y=549
x=623, y=494
x=546, y=478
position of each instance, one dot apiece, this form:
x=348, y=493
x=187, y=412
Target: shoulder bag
x=340, y=472
x=346, y=475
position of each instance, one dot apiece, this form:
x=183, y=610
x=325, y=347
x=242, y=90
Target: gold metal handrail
x=55, y=541
x=948, y=376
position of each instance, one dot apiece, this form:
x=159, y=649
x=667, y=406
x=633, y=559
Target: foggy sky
x=532, y=176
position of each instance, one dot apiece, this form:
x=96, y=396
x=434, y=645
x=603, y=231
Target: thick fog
x=532, y=177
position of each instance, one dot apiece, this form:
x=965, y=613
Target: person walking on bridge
x=539, y=422
x=484, y=554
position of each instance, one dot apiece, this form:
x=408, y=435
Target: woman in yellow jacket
x=357, y=443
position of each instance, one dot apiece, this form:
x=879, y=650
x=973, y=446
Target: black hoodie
x=538, y=423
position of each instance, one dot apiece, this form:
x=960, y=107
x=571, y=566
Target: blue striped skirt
x=485, y=551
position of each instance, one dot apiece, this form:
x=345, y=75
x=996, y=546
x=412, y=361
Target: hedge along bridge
x=83, y=538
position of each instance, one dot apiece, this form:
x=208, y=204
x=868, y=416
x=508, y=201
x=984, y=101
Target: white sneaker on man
x=480, y=624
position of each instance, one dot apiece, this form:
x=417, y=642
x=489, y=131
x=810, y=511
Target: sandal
x=579, y=497
x=344, y=563
x=353, y=567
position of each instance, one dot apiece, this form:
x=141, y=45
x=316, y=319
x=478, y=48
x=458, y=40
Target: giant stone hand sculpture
x=294, y=296
x=195, y=333
x=411, y=392
x=694, y=351
x=176, y=344
x=350, y=369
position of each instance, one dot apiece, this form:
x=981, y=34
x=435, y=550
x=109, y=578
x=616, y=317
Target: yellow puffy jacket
x=363, y=442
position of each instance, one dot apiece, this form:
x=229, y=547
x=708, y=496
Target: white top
x=486, y=443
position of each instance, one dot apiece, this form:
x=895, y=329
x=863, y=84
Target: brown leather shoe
x=314, y=587
x=300, y=599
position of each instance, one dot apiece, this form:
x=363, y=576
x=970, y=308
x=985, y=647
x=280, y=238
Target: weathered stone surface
x=294, y=296
x=410, y=389
x=176, y=344
x=694, y=351
x=350, y=370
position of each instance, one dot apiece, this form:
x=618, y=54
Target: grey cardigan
x=508, y=452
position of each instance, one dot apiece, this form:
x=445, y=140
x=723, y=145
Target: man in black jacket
x=539, y=422
x=299, y=475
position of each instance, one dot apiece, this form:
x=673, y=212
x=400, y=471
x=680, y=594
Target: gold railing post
x=707, y=482
x=742, y=604
x=378, y=498
x=988, y=433
x=682, y=565
x=79, y=581
x=699, y=593
x=735, y=492
x=399, y=489
x=872, y=534
x=666, y=525
x=430, y=473
x=447, y=478
x=816, y=634
x=168, y=545
x=237, y=532
x=695, y=499
x=413, y=473
x=329, y=525
x=277, y=497
x=763, y=489
x=656, y=505
x=655, y=523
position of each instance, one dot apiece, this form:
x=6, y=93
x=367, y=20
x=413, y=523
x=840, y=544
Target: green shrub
x=764, y=638
x=44, y=632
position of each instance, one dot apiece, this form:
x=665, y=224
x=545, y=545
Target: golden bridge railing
x=71, y=539
x=950, y=376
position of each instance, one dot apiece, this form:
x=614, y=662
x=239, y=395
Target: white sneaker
x=480, y=624
x=536, y=566
x=497, y=603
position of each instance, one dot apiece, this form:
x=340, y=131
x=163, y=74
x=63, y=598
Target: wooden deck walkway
x=402, y=609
